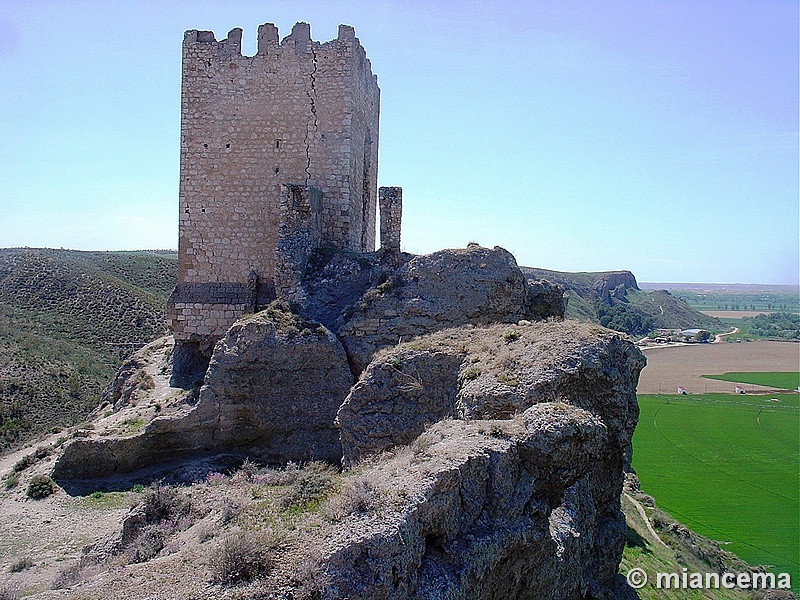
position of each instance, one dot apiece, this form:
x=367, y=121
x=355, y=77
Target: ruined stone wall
x=391, y=205
x=297, y=112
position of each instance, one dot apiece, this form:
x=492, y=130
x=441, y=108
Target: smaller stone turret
x=390, y=202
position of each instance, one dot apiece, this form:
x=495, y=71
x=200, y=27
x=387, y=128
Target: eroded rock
x=488, y=509
x=490, y=372
x=445, y=289
x=271, y=392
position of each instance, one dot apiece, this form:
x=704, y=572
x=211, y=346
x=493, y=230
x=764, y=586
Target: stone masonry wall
x=298, y=235
x=297, y=112
x=390, y=200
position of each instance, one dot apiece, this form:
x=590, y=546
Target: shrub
x=161, y=512
x=146, y=545
x=11, y=480
x=511, y=336
x=67, y=577
x=40, y=486
x=243, y=557
x=359, y=495
x=229, y=511
x=25, y=462
x=21, y=565
x=163, y=503
x=311, y=485
x=471, y=373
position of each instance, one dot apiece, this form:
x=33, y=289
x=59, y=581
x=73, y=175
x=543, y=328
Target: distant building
x=695, y=335
x=682, y=390
x=740, y=390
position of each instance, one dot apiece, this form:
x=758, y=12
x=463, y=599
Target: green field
x=782, y=380
x=728, y=467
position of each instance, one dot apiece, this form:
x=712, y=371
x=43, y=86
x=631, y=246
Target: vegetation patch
x=40, y=486
x=779, y=326
x=244, y=556
x=782, y=380
x=726, y=466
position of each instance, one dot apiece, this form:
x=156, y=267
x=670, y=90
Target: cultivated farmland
x=726, y=465
x=668, y=368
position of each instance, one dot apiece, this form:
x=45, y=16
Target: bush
x=471, y=373
x=20, y=565
x=359, y=495
x=146, y=545
x=67, y=577
x=243, y=557
x=163, y=503
x=30, y=459
x=311, y=485
x=11, y=480
x=40, y=486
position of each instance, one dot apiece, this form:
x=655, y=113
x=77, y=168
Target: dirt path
x=670, y=367
x=719, y=336
x=640, y=509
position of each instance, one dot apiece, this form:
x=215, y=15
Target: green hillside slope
x=613, y=298
x=67, y=319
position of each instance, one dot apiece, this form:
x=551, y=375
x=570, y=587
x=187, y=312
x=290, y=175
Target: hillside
x=67, y=319
x=614, y=299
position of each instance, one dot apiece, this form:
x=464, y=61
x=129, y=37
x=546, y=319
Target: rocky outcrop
x=610, y=287
x=490, y=372
x=511, y=485
x=472, y=285
x=491, y=437
x=271, y=392
x=489, y=509
x=275, y=383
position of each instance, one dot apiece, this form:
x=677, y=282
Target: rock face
x=613, y=284
x=271, y=392
x=518, y=500
x=474, y=285
x=491, y=509
x=493, y=446
x=490, y=372
x=276, y=381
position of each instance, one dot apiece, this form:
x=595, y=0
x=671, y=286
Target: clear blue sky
x=656, y=136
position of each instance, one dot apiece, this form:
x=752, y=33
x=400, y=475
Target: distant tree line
x=781, y=325
x=625, y=318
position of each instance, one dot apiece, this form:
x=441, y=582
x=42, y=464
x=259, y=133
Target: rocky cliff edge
x=489, y=446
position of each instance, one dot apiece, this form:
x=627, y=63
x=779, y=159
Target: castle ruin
x=279, y=156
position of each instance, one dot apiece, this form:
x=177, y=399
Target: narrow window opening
x=277, y=170
x=277, y=144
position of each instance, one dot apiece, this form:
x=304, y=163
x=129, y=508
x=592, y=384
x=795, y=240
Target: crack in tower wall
x=311, y=93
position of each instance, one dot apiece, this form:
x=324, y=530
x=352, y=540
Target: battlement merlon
x=268, y=38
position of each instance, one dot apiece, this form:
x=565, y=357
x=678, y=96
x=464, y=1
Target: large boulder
x=488, y=509
x=276, y=381
x=271, y=392
x=448, y=288
x=491, y=372
x=510, y=485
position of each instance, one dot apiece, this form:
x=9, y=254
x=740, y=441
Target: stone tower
x=279, y=154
